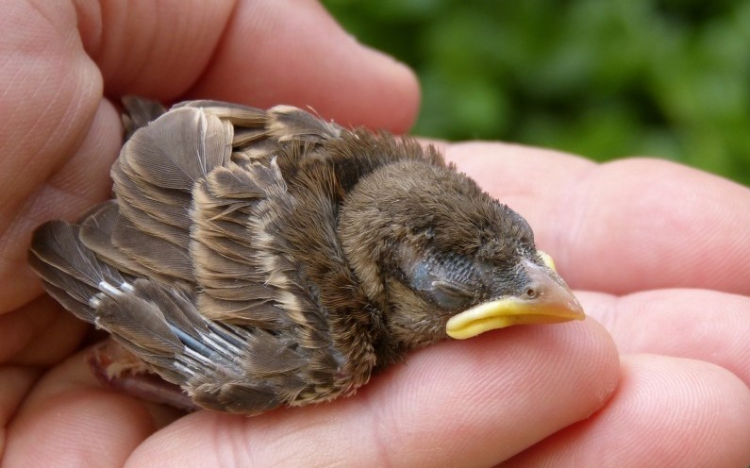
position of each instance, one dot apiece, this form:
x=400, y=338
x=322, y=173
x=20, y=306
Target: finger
x=40, y=334
x=625, y=226
x=482, y=400
x=666, y=412
x=253, y=52
x=292, y=51
x=69, y=420
x=15, y=383
x=50, y=93
x=54, y=185
x=704, y=325
x=153, y=48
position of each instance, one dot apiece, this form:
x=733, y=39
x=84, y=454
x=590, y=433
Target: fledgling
x=265, y=258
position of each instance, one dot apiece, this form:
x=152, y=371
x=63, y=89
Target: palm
x=617, y=229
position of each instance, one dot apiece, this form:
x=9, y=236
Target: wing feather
x=195, y=267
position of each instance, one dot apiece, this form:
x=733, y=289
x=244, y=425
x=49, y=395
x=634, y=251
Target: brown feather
x=138, y=113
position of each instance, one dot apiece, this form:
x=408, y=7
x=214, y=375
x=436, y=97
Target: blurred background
x=600, y=78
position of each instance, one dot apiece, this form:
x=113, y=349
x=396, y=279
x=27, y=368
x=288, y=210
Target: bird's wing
x=160, y=324
x=270, y=259
x=160, y=165
x=238, y=265
x=153, y=181
x=186, y=268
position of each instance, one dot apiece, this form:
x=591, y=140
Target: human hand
x=664, y=246
x=473, y=403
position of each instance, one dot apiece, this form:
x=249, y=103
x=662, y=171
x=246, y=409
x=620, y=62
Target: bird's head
x=444, y=259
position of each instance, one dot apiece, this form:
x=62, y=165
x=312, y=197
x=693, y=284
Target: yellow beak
x=547, y=299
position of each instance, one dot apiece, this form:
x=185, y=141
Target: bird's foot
x=120, y=370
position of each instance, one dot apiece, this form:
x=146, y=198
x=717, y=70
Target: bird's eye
x=447, y=284
x=453, y=287
x=450, y=295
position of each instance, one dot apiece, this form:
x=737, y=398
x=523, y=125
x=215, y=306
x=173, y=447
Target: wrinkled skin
x=657, y=376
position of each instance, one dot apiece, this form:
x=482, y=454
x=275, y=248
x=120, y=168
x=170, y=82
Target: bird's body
x=265, y=258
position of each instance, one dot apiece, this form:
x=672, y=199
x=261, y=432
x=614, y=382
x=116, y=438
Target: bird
x=256, y=259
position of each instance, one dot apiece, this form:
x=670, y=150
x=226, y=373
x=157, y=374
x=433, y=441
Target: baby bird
x=266, y=258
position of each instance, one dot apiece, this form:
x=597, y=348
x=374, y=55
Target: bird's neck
x=361, y=228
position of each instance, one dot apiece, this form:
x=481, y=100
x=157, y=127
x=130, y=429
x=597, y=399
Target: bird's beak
x=549, y=300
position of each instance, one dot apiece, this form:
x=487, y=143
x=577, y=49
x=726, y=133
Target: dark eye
x=444, y=284
x=450, y=295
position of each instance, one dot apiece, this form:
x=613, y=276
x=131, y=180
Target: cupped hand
x=661, y=245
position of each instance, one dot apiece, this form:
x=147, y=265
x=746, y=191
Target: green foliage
x=601, y=78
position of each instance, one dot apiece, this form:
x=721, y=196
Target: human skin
x=656, y=376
